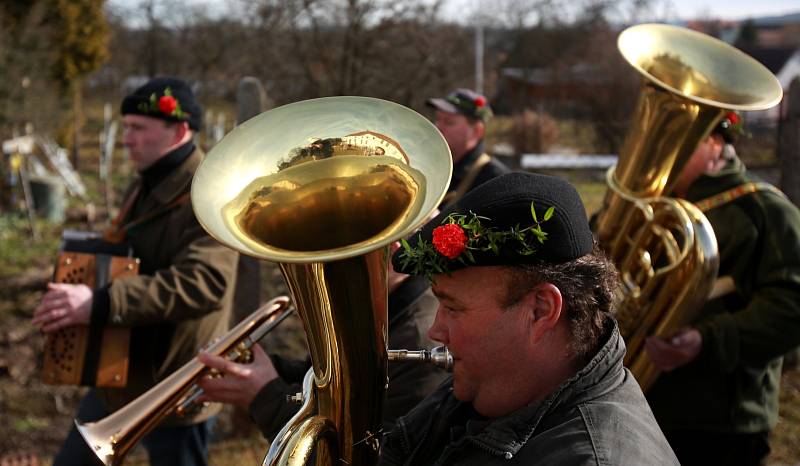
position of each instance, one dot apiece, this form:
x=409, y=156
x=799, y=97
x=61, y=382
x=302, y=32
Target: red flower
x=733, y=117
x=167, y=104
x=480, y=101
x=449, y=240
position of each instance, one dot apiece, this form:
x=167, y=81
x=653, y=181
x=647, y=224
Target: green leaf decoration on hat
x=459, y=235
x=476, y=107
x=166, y=105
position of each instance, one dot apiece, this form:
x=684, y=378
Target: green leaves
x=424, y=259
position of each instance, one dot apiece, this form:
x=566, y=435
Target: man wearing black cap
x=733, y=353
x=182, y=297
x=525, y=309
x=461, y=117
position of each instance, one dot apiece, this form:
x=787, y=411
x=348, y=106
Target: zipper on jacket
x=455, y=446
x=494, y=451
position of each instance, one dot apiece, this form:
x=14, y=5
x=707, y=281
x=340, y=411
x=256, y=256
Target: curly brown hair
x=587, y=286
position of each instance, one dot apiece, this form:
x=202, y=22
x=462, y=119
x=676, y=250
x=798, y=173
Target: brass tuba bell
x=323, y=187
x=664, y=248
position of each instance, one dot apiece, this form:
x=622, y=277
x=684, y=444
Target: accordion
x=84, y=354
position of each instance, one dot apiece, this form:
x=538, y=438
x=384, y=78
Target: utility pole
x=479, y=58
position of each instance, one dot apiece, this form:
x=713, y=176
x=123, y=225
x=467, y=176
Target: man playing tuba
x=525, y=309
x=717, y=399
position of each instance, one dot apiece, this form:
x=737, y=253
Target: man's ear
x=181, y=129
x=544, y=301
x=716, y=160
x=479, y=128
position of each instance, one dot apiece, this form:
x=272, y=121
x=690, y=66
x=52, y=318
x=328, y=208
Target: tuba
x=665, y=248
x=323, y=187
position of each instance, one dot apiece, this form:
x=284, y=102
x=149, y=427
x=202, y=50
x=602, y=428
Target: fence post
x=250, y=102
x=251, y=99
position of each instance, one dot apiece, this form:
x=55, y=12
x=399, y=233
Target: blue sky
x=734, y=9
x=672, y=9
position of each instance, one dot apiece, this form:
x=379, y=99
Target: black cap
x=464, y=101
x=169, y=99
x=503, y=209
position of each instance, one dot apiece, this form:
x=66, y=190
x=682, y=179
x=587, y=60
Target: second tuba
x=323, y=187
x=664, y=248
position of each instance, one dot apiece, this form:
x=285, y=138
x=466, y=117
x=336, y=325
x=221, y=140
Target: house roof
x=774, y=58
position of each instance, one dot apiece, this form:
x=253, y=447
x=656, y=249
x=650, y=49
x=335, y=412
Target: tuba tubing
x=112, y=437
x=294, y=452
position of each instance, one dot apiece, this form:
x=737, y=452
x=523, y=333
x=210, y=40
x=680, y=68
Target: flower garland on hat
x=472, y=106
x=459, y=235
x=732, y=122
x=166, y=105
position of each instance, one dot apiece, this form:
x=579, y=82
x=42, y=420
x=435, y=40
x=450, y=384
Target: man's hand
x=678, y=351
x=63, y=305
x=241, y=382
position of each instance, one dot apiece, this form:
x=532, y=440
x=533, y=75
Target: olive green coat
x=733, y=385
x=181, y=300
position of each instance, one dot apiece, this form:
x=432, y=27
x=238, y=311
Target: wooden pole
x=76, y=114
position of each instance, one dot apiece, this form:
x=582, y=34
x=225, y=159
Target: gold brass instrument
x=664, y=248
x=323, y=187
x=112, y=437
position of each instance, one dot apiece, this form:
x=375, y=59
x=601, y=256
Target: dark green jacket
x=180, y=301
x=733, y=385
x=597, y=417
x=464, y=180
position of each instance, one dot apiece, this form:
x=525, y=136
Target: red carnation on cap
x=449, y=240
x=480, y=101
x=167, y=104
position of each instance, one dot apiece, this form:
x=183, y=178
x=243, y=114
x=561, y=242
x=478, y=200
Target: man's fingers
x=225, y=390
x=47, y=304
x=239, y=370
x=46, y=315
x=258, y=352
x=55, y=324
x=214, y=362
x=224, y=365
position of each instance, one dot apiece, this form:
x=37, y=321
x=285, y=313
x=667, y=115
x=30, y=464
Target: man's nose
x=438, y=331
